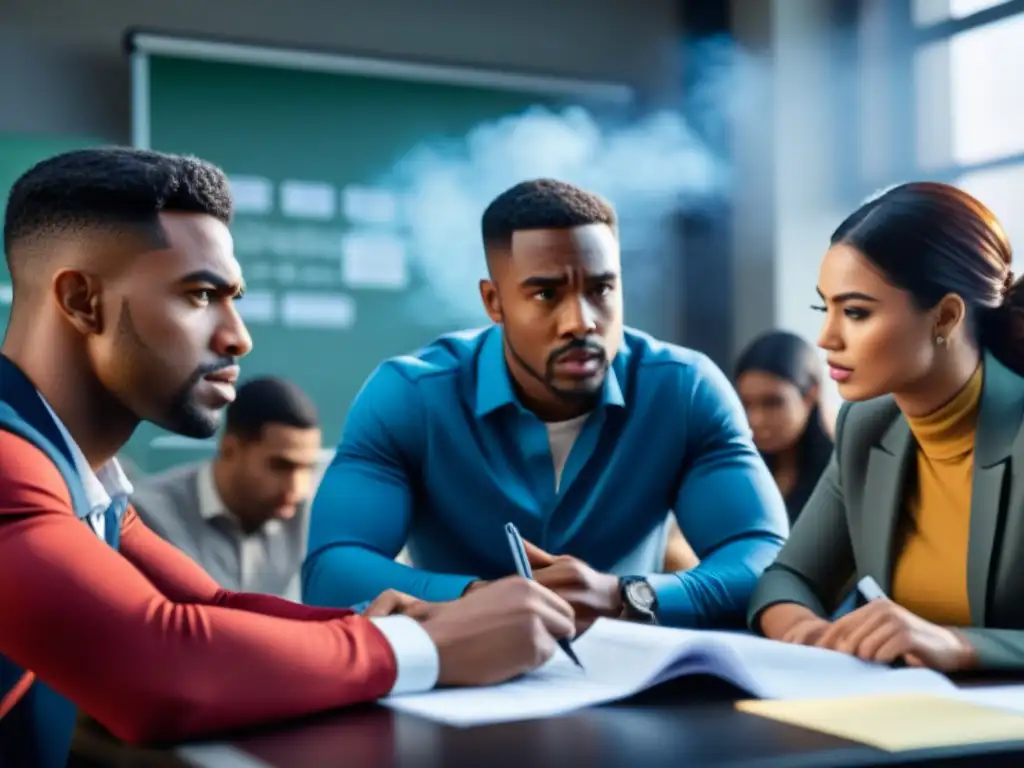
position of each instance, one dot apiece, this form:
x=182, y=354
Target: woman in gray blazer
x=924, y=491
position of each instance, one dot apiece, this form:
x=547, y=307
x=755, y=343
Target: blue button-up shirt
x=438, y=454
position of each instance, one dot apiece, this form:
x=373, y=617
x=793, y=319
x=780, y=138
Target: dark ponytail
x=933, y=239
x=1003, y=330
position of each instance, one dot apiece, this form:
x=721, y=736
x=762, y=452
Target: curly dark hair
x=541, y=204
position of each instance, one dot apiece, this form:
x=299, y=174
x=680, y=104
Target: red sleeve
x=180, y=579
x=150, y=666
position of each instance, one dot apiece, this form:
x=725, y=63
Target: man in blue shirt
x=582, y=433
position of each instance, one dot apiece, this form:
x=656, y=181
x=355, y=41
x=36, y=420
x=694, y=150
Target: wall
x=788, y=150
x=754, y=205
x=807, y=196
x=790, y=156
x=61, y=61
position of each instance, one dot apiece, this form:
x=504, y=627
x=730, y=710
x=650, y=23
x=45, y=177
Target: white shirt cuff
x=414, y=651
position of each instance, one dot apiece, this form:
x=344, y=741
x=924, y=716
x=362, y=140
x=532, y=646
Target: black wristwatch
x=639, y=601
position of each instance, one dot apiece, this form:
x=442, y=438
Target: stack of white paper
x=622, y=658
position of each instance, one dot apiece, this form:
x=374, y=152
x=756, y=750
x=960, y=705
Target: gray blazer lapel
x=999, y=421
x=884, y=485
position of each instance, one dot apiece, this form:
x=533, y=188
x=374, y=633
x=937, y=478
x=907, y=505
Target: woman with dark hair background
x=778, y=378
x=924, y=493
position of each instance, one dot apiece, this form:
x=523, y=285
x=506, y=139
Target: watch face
x=641, y=595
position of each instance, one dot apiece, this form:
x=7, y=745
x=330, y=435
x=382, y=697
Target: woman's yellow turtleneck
x=930, y=572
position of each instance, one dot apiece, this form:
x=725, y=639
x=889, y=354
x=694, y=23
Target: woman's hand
x=883, y=631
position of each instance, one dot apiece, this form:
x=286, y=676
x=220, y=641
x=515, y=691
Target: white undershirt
x=561, y=436
x=649, y=554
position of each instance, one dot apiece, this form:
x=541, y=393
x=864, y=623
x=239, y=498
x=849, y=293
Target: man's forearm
x=716, y=592
x=343, y=576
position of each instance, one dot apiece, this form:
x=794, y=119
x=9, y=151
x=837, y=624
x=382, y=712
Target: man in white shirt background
x=244, y=516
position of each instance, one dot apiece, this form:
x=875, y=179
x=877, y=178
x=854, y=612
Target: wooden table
x=685, y=723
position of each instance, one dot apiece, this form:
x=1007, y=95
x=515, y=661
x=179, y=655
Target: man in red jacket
x=124, y=288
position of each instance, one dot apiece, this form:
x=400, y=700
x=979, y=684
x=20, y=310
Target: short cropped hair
x=269, y=400
x=542, y=204
x=109, y=188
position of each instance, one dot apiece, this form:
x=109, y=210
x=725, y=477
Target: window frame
x=940, y=32
x=903, y=89
x=943, y=30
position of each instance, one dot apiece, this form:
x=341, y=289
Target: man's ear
x=492, y=301
x=79, y=296
x=230, y=446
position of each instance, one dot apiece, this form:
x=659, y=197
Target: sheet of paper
x=622, y=658
x=1008, y=697
x=896, y=723
x=774, y=670
x=612, y=670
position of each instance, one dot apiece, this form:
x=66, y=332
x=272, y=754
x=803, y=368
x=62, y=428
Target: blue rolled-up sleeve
x=728, y=506
x=362, y=512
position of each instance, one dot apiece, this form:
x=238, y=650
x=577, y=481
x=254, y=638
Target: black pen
x=515, y=543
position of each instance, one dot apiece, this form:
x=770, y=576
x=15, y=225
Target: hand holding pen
x=515, y=543
x=501, y=631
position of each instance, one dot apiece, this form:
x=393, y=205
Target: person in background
x=778, y=378
x=244, y=516
x=679, y=555
x=125, y=281
x=581, y=432
x=921, y=494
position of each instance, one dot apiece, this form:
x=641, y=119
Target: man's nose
x=299, y=486
x=578, y=318
x=232, y=338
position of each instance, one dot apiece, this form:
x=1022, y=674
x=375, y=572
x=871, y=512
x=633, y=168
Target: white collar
x=101, y=487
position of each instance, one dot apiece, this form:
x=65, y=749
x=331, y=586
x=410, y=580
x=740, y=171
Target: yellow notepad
x=896, y=723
